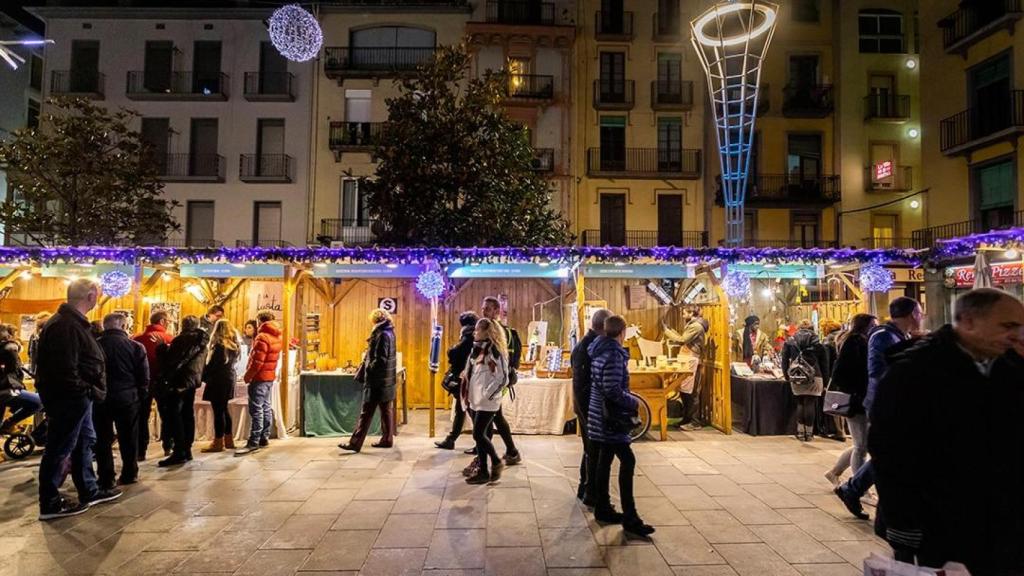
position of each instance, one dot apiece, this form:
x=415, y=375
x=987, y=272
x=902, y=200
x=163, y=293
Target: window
x=36, y=72
x=884, y=228
x=85, y=71
x=670, y=73
x=613, y=143
x=199, y=223
x=670, y=144
x=996, y=193
x=805, y=11
x=803, y=161
x=273, y=71
x=270, y=157
x=266, y=229
x=613, y=77
x=670, y=220
x=203, y=158
x=159, y=61
x=518, y=68
x=32, y=115
x=390, y=46
x=354, y=210
x=881, y=32
x=668, y=17
x=206, y=67
x=750, y=226
x=613, y=219
x=804, y=228
x=156, y=136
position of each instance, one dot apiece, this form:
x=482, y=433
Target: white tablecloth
x=542, y=406
x=238, y=407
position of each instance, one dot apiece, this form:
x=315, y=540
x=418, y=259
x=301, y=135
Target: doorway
x=613, y=219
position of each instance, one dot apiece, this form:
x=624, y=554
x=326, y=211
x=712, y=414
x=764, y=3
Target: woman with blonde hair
x=219, y=376
x=377, y=375
x=486, y=376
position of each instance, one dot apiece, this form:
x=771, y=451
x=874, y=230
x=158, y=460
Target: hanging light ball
x=736, y=285
x=295, y=33
x=875, y=278
x=430, y=284
x=115, y=284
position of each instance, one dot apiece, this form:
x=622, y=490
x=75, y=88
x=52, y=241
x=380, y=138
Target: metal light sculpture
x=731, y=40
x=295, y=33
x=11, y=57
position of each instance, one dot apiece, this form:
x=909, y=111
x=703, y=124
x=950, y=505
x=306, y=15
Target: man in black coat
x=953, y=493
x=581, y=383
x=69, y=379
x=127, y=382
x=181, y=370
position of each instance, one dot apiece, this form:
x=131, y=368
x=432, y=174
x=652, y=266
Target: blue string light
x=430, y=284
x=736, y=285
x=875, y=278
x=115, y=284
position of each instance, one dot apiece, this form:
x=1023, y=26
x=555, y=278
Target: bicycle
x=643, y=412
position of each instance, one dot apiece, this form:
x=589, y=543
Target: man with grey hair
x=69, y=379
x=949, y=492
x=581, y=382
x=127, y=382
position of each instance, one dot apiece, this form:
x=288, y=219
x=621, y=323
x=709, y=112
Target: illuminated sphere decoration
x=115, y=284
x=875, y=278
x=295, y=33
x=430, y=284
x=736, y=285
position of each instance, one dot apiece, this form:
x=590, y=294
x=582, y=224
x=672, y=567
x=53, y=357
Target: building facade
x=226, y=116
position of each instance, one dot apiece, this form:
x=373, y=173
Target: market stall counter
x=656, y=385
x=541, y=406
x=331, y=401
x=763, y=405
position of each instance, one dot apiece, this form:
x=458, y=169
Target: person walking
x=378, y=375
x=219, y=376
x=581, y=386
x=155, y=339
x=127, y=381
x=694, y=335
x=260, y=374
x=805, y=365
x=69, y=379
x=610, y=414
x=458, y=355
x=33, y=340
x=22, y=403
x=948, y=492
x=181, y=374
x=850, y=376
x=491, y=310
x=486, y=377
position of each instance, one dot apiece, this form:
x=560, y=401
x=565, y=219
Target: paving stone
x=514, y=562
x=394, y=562
x=273, y=563
x=755, y=560
x=153, y=563
x=795, y=545
x=750, y=510
x=514, y=529
x=381, y=489
x=192, y=534
x=722, y=570
x=456, y=550
x=570, y=548
x=685, y=545
x=226, y=552
x=822, y=526
x=419, y=501
x=690, y=498
x=299, y=532
x=462, y=514
x=720, y=527
x=828, y=570
x=364, y=515
x=510, y=500
x=632, y=560
x=340, y=550
x=665, y=475
x=776, y=496
x=407, y=531
x=558, y=513
x=659, y=511
x=327, y=501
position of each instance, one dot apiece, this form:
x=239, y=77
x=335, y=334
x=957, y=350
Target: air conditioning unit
x=883, y=184
x=337, y=244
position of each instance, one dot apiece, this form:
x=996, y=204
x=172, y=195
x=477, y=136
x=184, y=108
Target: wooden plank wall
x=650, y=317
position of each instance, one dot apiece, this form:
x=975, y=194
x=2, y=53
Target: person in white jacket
x=485, y=378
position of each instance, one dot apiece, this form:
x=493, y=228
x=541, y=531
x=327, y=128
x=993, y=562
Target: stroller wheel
x=19, y=446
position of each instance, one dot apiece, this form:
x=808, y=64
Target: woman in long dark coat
x=219, y=376
x=458, y=355
x=377, y=373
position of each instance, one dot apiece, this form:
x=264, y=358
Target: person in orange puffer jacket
x=259, y=375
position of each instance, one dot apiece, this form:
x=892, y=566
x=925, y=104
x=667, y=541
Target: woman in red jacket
x=260, y=375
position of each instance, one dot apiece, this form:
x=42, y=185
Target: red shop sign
x=883, y=170
x=1004, y=273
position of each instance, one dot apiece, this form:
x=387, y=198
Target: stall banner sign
x=509, y=270
x=883, y=170
x=367, y=270
x=907, y=275
x=266, y=297
x=83, y=271
x=388, y=304
x=637, y=271
x=783, y=271
x=232, y=270
x=4, y=271
x=1002, y=273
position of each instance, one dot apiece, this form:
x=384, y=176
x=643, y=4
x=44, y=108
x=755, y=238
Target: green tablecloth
x=331, y=404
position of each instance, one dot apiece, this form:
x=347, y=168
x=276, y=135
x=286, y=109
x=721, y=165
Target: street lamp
x=11, y=57
x=731, y=40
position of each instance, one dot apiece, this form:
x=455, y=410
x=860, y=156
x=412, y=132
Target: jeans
x=221, y=419
x=70, y=435
x=261, y=414
x=627, y=464
x=482, y=434
x=504, y=430
x=854, y=456
x=459, y=420
x=588, y=464
x=387, y=424
x=22, y=406
x=862, y=481
x=125, y=417
x=179, y=414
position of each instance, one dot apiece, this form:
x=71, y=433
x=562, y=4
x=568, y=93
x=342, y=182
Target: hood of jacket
x=467, y=332
x=381, y=327
x=805, y=338
x=604, y=345
x=270, y=328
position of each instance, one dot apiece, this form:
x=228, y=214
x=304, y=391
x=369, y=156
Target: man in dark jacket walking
x=953, y=493
x=181, y=370
x=458, y=355
x=69, y=378
x=378, y=374
x=581, y=383
x=127, y=381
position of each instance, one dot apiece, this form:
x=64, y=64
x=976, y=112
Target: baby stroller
x=23, y=441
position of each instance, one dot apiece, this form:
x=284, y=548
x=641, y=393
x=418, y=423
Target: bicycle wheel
x=19, y=446
x=643, y=410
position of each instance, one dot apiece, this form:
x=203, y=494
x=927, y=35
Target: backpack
x=802, y=371
x=515, y=355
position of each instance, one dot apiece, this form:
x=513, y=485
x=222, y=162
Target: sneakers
x=102, y=496
x=691, y=427
x=247, y=449
x=512, y=459
x=851, y=502
x=833, y=479
x=61, y=508
x=472, y=468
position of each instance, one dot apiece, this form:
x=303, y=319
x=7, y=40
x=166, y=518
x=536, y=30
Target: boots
x=216, y=446
x=229, y=442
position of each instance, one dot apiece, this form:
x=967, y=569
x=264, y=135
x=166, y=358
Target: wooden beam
x=8, y=280
x=286, y=319
x=321, y=287
x=546, y=287
x=346, y=287
x=225, y=291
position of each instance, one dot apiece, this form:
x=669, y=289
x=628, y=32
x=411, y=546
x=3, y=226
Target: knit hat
x=468, y=319
x=751, y=320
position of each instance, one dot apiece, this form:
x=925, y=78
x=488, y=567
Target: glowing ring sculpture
x=767, y=12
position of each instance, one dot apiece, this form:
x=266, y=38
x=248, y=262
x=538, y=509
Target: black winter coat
x=380, y=365
x=181, y=366
x=954, y=492
x=70, y=361
x=10, y=368
x=127, y=368
x=850, y=374
x=220, y=374
x=805, y=341
x=581, y=378
x=458, y=354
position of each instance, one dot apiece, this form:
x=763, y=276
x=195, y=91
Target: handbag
x=838, y=403
x=451, y=383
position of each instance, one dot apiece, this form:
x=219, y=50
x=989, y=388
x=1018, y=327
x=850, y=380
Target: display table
x=331, y=402
x=656, y=386
x=542, y=406
x=763, y=406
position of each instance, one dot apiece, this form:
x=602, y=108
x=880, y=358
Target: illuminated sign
x=1002, y=273
x=232, y=270
x=883, y=170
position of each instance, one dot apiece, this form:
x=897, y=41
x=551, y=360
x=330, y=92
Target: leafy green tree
x=453, y=169
x=84, y=177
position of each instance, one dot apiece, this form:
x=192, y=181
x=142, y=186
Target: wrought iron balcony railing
x=191, y=167
x=353, y=136
x=351, y=231
x=790, y=190
x=153, y=85
x=269, y=87
x=266, y=168
x=900, y=180
x=543, y=160
x=976, y=20
x=671, y=94
x=928, y=237
x=614, y=94
x=885, y=243
x=976, y=127
x=807, y=100
x=75, y=83
x=530, y=87
x=521, y=13
x=887, y=107
x=348, y=62
x=262, y=243
x=644, y=163
x=644, y=238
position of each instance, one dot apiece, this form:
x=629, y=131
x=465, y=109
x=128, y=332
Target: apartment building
x=226, y=116
x=972, y=118
x=640, y=125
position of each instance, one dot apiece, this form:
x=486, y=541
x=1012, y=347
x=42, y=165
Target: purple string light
x=968, y=245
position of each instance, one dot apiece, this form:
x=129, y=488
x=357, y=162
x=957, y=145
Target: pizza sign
x=883, y=170
x=1004, y=273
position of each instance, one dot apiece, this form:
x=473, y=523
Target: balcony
x=77, y=84
x=614, y=95
x=887, y=243
x=667, y=29
x=755, y=243
x=977, y=127
x=929, y=237
x=343, y=63
x=521, y=13
x=353, y=137
x=613, y=26
x=893, y=108
x=530, y=88
x=269, y=168
x=976, y=20
x=671, y=95
x=143, y=85
x=349, y=231
x=645, y=238
x=190, y=243
x=543, y=160
x=269, y=87
x=807, y=100
x=263, y=244
x=191, y=168
x=644, y=163
x=901, y=180
x=789, y=191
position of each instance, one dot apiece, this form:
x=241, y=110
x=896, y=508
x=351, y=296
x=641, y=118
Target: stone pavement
x=722, y=505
